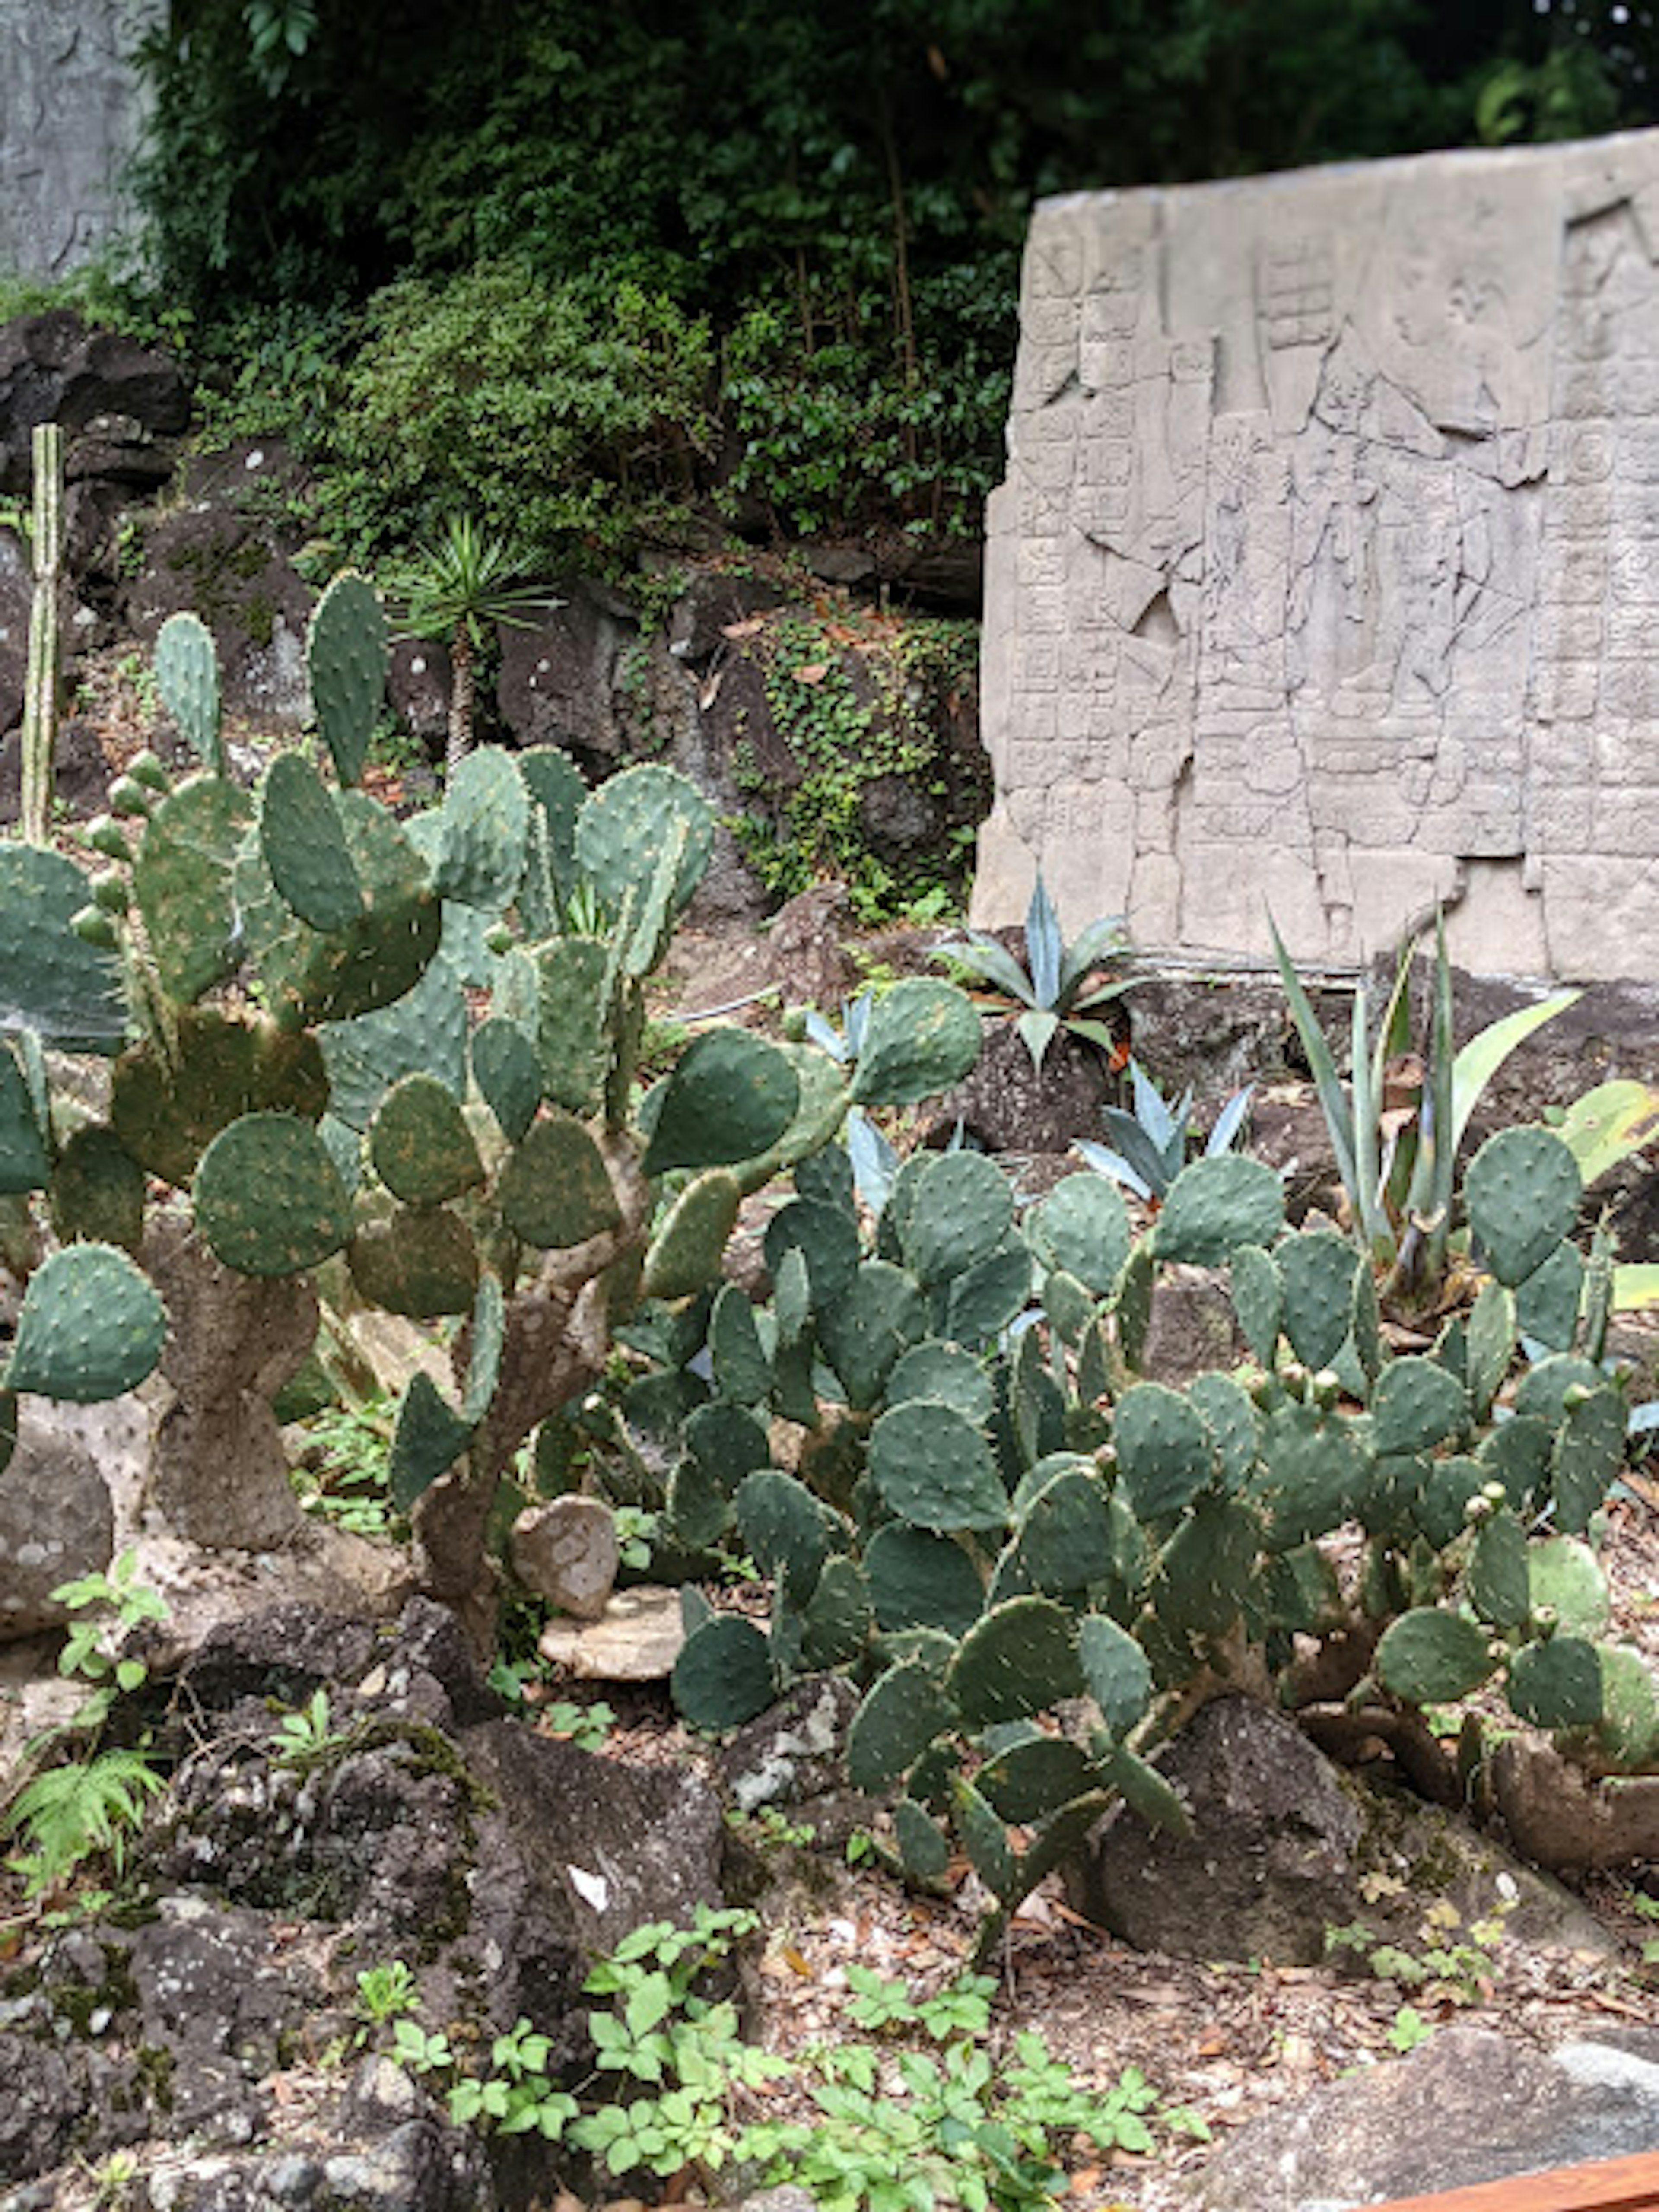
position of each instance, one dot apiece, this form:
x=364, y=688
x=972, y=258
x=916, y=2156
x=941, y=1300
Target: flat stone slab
x=637, y=1639
x=1469, y=2107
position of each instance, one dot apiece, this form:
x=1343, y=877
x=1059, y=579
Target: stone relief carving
x=1323, y=580
x=70, y=111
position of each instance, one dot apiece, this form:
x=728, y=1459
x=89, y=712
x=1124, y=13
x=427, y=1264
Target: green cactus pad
x=1165, y=1453
x=1134, y=1303
x=1234, y=1426
x=1083, y=1227
x=187, y=664
x=1315, y=1474
x=1147, y=1794
x=1547, y=1304
x=985, y=1839
x=1069, y=1305
x=560, y=994
x=1590, y=1455
x=98, y=1191
x=936, y=1368
x=1258, y=1294
x=185, y=883
x=423, y=1033
x=1207, y=1569
x=685, y=1255
x=923, y=1845
x=1627, y=1734
x=743, y=1371
x=1367, y=1325
x=935, y=1470
x=268, y=1197
x=1522, y=1189
x=53, y=983
x=1015, y=1662
x=345, y=658
x=1429, y=1657
x=827, y=1239
x=429, y=1439
x=1490, y=1344
x=785, y=1529
x=315, y=975
x=1497, y=1581
x=1564, y=1575
x=485, y=818
x=918, y=1580
x=1416, y=1406
x=862, y=1336
x=1114, y=1671
x=488, y=1334
x=731, y=1095
x=1317, y=1271
x=1217, y=1204
x=904, y=1711
x=961, y=1210
x=727, y=1442
x=508, y=1075
x=819, y=1110
x=421, y=1147
x=1518, y=1455
x=836, y=1625
x=558, y=794
x=921, y=1037
x=91, y=1327
x=422, y=1264
x=1065, y=1532
x=25, y=1165
x=305, y=847
x=699, y=1510
x=627, y=822
x=167, y=1110
x=556, y=1190
x=1541, y=1393
x=1030, y=1780
x=1302, y=1594
x=979, y=1305
x=1440, y=1508
x=1557, y=1684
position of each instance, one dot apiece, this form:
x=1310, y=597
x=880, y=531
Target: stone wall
x=70, y=111
x=1323, y=581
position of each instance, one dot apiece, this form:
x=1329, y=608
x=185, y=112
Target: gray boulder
x=56, y=1522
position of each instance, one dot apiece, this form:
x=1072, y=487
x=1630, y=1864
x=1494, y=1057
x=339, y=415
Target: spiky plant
x=455, y=590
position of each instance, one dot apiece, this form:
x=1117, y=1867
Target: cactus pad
x=723, y=1676
x=921, y=1038
x=1165, y=1453
x=1498, y=1580
x=556, y=1190
x=918, y=1580
x=1491, y=1343
x=421, y=1263
x=900, y=1718
x=1030, y=1780
x=935, y=1470
x=836, y=1625
x=421, y=1147
x=507, y=1074
x=935, y=1369
x=784, y=1529
x=1065, y=1532
x=1522, y=1189
x=345, y=658
x=863, y=1335
x=184, y=881
x=628, y=821
x=730, y=1096
x=1564, y=1575
x=1217, y=1204
x=1314, y=1474
x=91, y=1327
x=166, y=1111
x=430, y=1436
x=304, y=843
x=827, y=1239
x=486, y=813
x=1557, y=1684
x=1114, y=1671
x=923, y=1846
x=268, y=1197
x=1429, y=1657
x=743, y=1371
x=423, y=1033
x=1547, y=1304
x=98, y=1191
x=187, y=664
x=1317, y=1271
x=684, y=1254
x=69, y=993
x=961, y=1210
x=1083, y=1227
x=24, y=1164
x=1416, y=1406
x=1015, y=1661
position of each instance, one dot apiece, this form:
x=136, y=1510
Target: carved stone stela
x=1325, y=578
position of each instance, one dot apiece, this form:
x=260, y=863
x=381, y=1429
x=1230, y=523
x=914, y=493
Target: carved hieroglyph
x=71, y=108
x=1325, y=579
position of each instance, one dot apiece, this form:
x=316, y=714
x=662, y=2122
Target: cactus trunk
x=40, y=700
x=462, y=688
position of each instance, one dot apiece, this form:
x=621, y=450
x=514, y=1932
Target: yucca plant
x=455, y=591
x=1396, y=1128
x=1061, y=986
x=1149, y=1148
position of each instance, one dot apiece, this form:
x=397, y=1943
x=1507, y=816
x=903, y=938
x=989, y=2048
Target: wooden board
x=1612, y=2185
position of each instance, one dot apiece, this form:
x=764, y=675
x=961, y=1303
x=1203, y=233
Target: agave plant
x=1150, y=1145
x=1060, y=988
x=455, y=591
